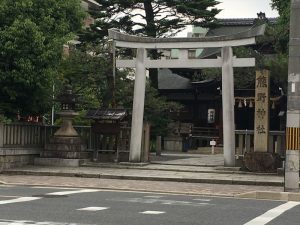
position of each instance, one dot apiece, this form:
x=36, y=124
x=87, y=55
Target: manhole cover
x=50, y=196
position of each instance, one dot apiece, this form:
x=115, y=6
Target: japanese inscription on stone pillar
x=261, y=124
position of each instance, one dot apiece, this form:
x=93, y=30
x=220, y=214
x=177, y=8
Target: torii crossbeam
x=226, y=62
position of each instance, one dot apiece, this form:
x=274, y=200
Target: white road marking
x=202, y=199
x=152, y=212
x=73, y=192
x=93, y=208
x=59, y=188
x=272, y=214
x=16, y=200
x=10, y=196
x=159, y=201
x=29, y=222
x=153, y=196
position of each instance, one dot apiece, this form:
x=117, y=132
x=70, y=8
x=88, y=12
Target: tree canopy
x=282, y=28
x=154, y=18
x=32, y=33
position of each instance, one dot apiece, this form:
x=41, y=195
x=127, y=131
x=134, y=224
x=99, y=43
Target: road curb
x=218, y=170
x=269, y=195
x=2, y=182
x=149, y=178
x=131, y=190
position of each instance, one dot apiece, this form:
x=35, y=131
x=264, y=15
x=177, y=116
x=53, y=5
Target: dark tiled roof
x=228, y=27
x=171, y=81
x=242, y=21
x=227, y=30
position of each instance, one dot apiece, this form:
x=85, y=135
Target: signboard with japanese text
x=261, y=121
x=211, y=115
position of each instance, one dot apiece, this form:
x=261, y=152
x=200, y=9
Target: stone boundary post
x=1, y=135
x=158, y=145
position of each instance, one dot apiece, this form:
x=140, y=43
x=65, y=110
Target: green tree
x=153, y=18
x=88, y=75
x=32, y=33
x=282, y=28
x=157, y=108
x=279, y=34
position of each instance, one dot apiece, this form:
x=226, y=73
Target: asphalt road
x=20, y=205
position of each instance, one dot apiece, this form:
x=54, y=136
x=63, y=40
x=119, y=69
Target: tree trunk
x=151, y=32
x=150, y=23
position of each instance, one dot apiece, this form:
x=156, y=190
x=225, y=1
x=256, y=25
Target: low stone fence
x=83, y=131
x=245, y=142
x=19, y=144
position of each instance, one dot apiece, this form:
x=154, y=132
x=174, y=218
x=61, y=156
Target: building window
x=192, y=54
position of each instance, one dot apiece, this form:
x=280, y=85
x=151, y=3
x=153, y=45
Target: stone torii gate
x=227, y=61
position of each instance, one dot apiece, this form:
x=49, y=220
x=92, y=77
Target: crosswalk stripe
x=153, y=196
x=10, y=196
x=29, y=222
x=272, y=214
x=16, y=200
x=58, y=188
x=202, y=199
x=93, y=208
x=73, y=192
x=152, y=212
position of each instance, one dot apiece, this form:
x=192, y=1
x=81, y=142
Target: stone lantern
x=66, y=147
x=67, y=101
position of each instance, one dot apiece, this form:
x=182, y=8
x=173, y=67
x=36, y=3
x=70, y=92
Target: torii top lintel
x=238, y=39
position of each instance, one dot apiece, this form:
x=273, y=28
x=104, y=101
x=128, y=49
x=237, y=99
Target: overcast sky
x=240, y=9
x=245, y=8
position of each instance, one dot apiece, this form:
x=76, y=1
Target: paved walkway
x=137, y=185
x=172, y=172
x=188, y=159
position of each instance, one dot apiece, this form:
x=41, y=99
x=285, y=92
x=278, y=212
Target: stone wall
x=16, y=157
x=173, y=144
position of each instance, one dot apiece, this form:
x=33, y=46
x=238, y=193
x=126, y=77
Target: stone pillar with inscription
x=261, y=119
x=260, y=160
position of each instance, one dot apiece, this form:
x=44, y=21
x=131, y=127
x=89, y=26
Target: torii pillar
x=138, y=107
x=228, y=107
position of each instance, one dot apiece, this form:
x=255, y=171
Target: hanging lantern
x=240, y=104
x=251, y=104
x=273, y=104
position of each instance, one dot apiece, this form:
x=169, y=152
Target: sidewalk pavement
x=173, y=173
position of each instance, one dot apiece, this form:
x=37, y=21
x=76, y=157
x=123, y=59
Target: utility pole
x=293, y=105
